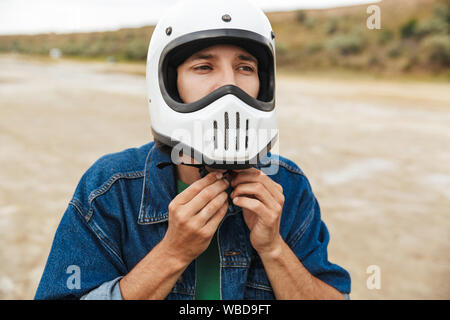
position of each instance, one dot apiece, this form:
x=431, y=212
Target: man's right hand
x=194, y=216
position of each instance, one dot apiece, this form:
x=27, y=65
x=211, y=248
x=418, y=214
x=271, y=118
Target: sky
x=65, y=16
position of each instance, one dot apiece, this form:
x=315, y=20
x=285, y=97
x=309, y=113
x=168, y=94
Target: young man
x=137, y=228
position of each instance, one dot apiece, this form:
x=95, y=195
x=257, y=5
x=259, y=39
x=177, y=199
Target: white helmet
x=228, y=128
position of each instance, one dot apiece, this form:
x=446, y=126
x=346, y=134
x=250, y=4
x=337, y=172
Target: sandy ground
x=377, y=155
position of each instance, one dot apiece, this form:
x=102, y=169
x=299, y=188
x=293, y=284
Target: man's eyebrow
x=200, y=56
x=207, y=56
x=248, y=58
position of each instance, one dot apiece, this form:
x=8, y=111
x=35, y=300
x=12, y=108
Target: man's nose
x=226, y=77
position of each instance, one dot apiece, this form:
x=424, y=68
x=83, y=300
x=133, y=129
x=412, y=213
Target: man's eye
x=205, y=67
x=246, y=68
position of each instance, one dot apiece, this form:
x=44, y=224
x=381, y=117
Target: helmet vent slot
x=237, y=130
x=227, y=126
x=246, y=134
x=215, y=134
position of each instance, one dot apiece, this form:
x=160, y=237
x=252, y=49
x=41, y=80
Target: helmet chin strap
x=203, y=172
x=201, y=167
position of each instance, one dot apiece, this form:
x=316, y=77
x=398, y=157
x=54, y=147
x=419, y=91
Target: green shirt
x=207, y=267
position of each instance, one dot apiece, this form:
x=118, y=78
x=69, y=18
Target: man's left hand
x=261, y=200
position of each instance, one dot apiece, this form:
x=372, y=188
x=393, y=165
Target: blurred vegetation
x=414, y=38
x=121, y=45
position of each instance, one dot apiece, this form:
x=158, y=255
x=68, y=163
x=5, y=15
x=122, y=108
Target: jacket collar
x=158, y=188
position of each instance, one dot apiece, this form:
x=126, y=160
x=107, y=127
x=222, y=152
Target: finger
x=258, y=190
x=211, y=208
x=206, y=195
x=194, y=189
x=256, y=175
x=250, y=175
x=253, y=205
x=267, y=217
x=213, y=223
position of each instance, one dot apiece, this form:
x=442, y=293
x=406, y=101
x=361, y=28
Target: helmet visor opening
x=177, y=51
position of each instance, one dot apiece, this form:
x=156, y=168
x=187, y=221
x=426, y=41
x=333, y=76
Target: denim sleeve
x=310, y=241
x=109, y=290
x=79, y=260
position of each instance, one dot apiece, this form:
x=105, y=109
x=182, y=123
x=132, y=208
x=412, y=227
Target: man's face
x=214, y=67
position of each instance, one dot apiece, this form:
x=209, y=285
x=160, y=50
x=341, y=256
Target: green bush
x=73, y=49
x=281, y=48
x=346, y=44
x=437, y=50
x=136, y=50
x=374, y=60
x=442, y=12
x=394, y=51
x=432, y=26
x=408, y=29
x=438, y=24
x=300, y=16
x=412, y=61
x=95, y=48
x=385, y=36
x=331, y=26
x=313, y=47
x=310, y=22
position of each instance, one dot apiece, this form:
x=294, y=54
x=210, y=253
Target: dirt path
x=377, y=155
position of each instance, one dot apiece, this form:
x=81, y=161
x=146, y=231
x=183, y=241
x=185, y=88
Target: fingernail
x=219, y=175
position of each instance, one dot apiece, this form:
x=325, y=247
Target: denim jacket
x=119, y=212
